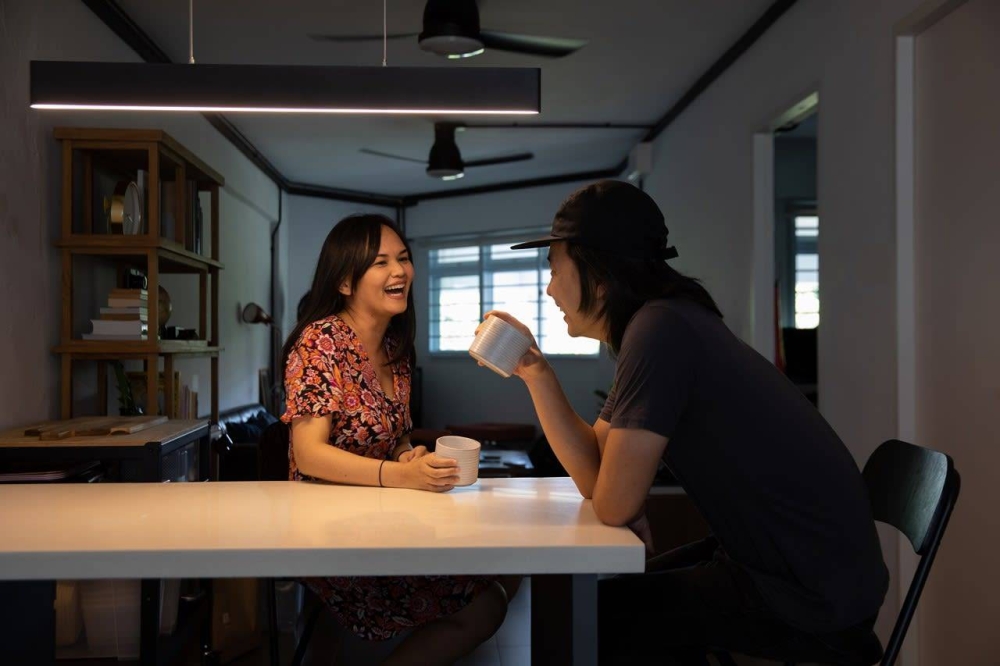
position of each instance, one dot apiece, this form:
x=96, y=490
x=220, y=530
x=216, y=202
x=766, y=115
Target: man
x=794, y=561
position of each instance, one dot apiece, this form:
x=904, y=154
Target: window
x=468, y=281
x=806, y=271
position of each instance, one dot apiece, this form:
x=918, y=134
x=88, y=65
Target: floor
x=510, y=646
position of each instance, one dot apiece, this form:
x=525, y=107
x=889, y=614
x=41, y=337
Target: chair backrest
x=272, y=453
x=913, y=489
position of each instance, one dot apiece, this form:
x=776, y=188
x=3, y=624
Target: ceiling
x=641, y=57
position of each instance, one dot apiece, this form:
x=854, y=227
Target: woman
x=794, y=561
x=347, y=381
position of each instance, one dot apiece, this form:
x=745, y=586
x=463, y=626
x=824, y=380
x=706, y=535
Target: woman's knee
x=484, y=615
x=510, y=585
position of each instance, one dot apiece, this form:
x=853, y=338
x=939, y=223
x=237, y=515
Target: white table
x=266, y=529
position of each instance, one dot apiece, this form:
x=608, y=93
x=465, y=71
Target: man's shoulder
x=663, y=314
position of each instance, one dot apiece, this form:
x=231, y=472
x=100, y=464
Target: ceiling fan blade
x=360, y=38
x=377, y=153
x=551, y=47
x=519, y=157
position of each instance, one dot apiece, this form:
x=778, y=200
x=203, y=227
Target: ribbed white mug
x=465, y=452
x=499, y=346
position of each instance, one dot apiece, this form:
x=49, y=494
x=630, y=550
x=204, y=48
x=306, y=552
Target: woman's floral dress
x=329, y=373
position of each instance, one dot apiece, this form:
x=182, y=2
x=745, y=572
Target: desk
x=272, y=529
x=153, y=454
x=177, y=450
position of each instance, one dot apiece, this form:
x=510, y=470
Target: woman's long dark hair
x=628, y=283
x=348, y=252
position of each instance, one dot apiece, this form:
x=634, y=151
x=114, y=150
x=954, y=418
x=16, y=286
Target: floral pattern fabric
x=329, y=373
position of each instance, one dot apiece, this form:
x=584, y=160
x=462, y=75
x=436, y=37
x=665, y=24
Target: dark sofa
x=240, y=430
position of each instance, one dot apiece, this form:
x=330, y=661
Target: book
x=139, y=310
x=128, y=302
x=118, y=338
x=125, y=316
x=122, y=292
x=133, y=327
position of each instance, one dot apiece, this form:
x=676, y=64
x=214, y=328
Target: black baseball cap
x=613, y=216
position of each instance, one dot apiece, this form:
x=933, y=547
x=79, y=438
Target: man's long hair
x=628, y=283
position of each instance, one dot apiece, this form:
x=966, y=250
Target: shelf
x=117, y=140
x=173, y=178
x=173, y=257
x=136, y=348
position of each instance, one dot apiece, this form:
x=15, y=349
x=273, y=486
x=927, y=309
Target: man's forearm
x=572, y=439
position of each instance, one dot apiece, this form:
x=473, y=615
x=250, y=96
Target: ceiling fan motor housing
x=451, y=28
x=445, y=161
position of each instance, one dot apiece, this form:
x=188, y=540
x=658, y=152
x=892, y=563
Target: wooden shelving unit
x=120, y=154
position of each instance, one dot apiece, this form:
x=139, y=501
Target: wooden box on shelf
x=131, y=197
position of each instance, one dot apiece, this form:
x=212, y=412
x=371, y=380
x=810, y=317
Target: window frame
x=787, y=280
x=484, y=268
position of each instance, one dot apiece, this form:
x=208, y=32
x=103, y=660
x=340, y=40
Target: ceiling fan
x=451, y=29
x=445, y=161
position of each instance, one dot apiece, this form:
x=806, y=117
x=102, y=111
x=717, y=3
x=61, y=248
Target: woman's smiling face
x=383, y=290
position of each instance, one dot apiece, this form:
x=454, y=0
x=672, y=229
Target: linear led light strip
x=100, y=86
x=243, y=109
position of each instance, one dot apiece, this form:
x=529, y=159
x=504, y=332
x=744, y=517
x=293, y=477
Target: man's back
x=781, y=492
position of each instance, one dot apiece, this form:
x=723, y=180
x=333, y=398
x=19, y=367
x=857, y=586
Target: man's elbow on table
x=628, y=468
x=612, y=511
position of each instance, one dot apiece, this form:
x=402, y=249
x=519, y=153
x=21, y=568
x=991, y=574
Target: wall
x=456, y=389
x=29, y=214
x=957, y=152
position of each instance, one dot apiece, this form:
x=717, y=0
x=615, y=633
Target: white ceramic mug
x=465, y=452
x=499, y=345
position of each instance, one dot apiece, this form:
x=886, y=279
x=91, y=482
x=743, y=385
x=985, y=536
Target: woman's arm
x=401, y=448
x=316, y=458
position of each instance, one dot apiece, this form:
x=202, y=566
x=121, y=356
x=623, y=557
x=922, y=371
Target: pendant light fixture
x=221, y=88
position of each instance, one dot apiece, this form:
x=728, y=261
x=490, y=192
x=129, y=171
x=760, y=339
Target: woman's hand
x=410, y=454
x=427, y=472
x=533, y=363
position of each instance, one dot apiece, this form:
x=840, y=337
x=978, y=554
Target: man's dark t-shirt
x=782, y=494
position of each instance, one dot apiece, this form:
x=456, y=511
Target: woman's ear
x=345, y=288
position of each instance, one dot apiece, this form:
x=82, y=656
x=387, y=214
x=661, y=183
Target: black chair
x=272, y=465
x=914, y=489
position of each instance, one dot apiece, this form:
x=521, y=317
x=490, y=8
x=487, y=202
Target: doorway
x=786, y=311
x=796, y=252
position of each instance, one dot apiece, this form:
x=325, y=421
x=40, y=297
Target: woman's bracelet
x=380, y=474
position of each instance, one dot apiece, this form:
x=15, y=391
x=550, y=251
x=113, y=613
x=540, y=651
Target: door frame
x=905, y=35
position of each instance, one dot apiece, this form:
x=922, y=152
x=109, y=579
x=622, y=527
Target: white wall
x=958, y=359
x=456, y=389
x=703, y=179
x=30, y=205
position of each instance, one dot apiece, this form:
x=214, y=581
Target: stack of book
x=125, y=318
